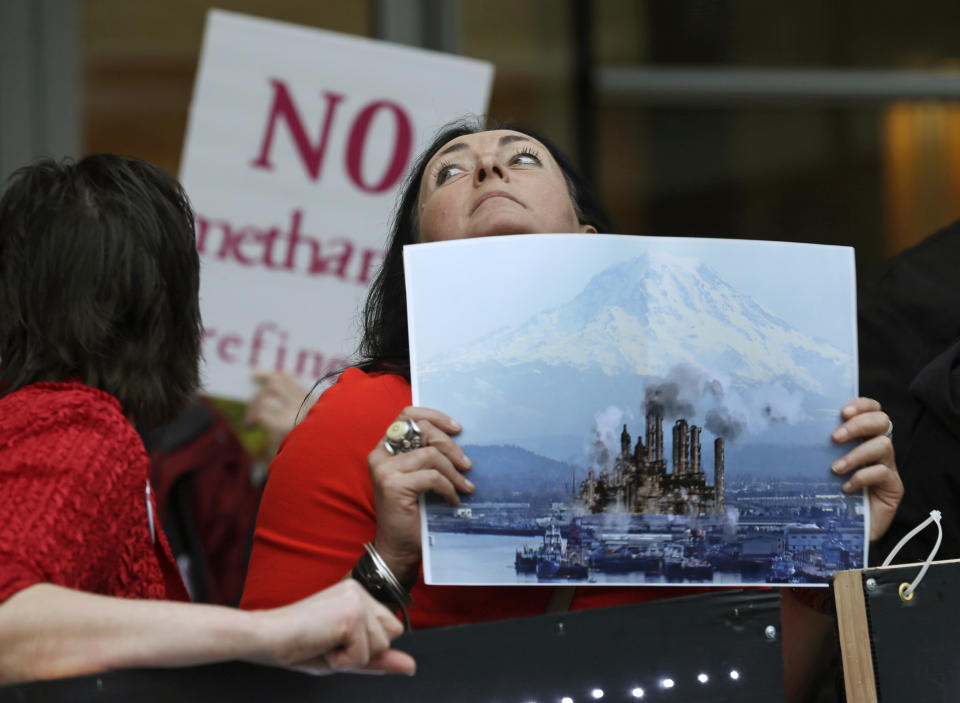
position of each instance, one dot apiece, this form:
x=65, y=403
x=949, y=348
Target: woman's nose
x=490, y=166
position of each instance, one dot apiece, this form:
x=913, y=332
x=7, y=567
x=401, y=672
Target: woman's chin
x=502, y=226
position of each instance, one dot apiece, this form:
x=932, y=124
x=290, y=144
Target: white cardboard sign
x=297, y=143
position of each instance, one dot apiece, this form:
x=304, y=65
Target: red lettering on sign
x=269, y=238
x=294, y=239
x=337, y=263
x=301, y=367
x=283, y=107
x=290, y=250
x=230, y=241
x=268, y=347
x=402, y=145
x=227, y=340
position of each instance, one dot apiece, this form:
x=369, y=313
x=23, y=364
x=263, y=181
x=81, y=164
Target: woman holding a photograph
x=337, y=484
x=341, y=500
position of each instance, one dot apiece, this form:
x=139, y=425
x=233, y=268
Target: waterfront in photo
x=465, y=559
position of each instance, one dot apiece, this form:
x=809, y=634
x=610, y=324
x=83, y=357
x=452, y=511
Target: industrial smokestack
x=695, y=450
x=718, y=471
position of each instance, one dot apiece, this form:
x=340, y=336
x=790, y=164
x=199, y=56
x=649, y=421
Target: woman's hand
x=275, y=406
x=871, y=463
x=339, y=628
x=399, y=479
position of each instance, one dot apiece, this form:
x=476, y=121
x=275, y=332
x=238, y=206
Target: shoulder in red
x=73, y=479
x=317, y=507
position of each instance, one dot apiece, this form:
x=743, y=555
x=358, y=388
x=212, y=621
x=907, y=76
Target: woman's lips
x=492, y=194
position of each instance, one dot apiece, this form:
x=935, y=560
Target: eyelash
x=441, y=167
x=526, y=151
x=440, y=179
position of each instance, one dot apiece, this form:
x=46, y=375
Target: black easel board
x=913, y=645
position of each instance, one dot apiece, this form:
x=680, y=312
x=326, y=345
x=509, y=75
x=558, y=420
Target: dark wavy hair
x=99, y=277
x=384, y=345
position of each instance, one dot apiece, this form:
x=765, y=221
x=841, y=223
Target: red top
x=73, y=497
x=317, y=511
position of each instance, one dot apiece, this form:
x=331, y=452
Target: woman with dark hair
x=89, y=299
x=99, y=330
x=384, y=345
x=342, y=488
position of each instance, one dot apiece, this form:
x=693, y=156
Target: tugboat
x=678, y=567
x=526, y=560
x=782, y=569
x=550, y=555
x=551, y=561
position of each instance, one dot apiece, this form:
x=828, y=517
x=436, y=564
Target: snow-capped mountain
x=646, y=316
x=657, y=322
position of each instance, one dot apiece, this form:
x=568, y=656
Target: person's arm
x=48, y=631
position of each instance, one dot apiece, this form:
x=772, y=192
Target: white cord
x=150, y=520
x=935, y=518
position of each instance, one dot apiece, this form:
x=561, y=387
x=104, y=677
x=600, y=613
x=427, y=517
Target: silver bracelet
x=400, y=594
x=372, y=572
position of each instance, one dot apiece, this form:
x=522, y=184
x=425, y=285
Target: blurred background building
x=829, y=121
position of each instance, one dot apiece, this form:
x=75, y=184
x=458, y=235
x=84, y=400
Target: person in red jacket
x=99, y=330
x=335, y=486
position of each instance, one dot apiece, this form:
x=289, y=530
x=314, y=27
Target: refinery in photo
x=638, y=410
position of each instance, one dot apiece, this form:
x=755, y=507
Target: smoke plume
x=605, y=438
x=676, y=395
x=726, y=411
x=725, y=423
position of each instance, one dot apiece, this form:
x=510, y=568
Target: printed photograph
x=638, y=410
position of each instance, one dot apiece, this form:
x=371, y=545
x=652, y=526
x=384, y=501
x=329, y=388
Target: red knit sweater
x=73, y=497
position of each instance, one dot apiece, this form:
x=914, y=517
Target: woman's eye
x=525, y=158
x=447, y=172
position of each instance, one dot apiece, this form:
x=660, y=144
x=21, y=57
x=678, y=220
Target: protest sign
x=297, y=142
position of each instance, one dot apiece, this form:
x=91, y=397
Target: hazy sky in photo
x=479, y=285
